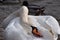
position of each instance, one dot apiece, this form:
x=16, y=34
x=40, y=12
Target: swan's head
x=24, y=13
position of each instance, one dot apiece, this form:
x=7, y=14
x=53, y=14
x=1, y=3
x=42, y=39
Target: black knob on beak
x=35, y=32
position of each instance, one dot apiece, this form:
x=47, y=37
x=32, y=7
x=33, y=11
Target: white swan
x=21, y=25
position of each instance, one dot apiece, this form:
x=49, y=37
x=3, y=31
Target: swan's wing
x=41, y=20
x=54, y=24
x=48, y=22
x=14, y=31
x=46, y=34
x=11, y=32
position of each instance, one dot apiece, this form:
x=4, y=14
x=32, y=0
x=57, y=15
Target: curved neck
x=24, y=18
x=24, y=14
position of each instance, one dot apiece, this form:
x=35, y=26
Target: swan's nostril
x=35, y=32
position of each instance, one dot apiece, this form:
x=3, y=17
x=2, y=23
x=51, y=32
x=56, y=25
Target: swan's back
x=15, y=31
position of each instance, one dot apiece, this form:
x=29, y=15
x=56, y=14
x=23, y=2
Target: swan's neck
x=24, y=14
x=25, y=24
x=24, y=18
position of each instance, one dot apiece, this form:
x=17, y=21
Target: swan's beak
x=35, y=32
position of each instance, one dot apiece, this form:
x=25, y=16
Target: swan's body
x=15, y=31
x=19, y=28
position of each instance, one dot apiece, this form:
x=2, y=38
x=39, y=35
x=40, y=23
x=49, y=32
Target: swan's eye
x=36, y=33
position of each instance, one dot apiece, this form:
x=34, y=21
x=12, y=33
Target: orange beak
x=36, y=33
